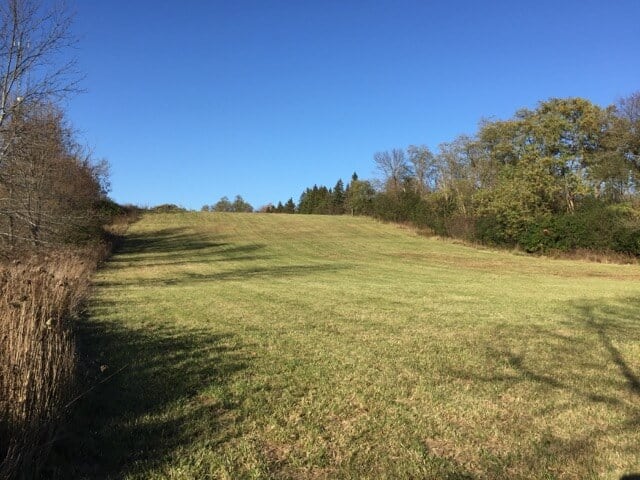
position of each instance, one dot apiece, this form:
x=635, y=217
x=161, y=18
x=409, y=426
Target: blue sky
x=193, y=100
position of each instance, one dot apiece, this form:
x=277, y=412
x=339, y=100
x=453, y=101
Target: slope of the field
x=292, y=346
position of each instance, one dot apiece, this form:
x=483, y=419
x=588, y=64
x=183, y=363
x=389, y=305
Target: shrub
x=596, y=226
x=167, y=208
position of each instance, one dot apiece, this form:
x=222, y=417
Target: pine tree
x=290, y=206
x=338, y=198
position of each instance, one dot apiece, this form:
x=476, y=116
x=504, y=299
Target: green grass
x=290, y=346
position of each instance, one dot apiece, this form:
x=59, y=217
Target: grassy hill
x=290, y=346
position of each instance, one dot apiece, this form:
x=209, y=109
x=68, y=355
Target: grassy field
x=291, y=346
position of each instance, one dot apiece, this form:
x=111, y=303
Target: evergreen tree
x=290, y=206
x=338, y=198
x=305, y=203
x=323, y=201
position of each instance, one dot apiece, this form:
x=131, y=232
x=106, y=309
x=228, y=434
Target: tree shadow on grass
x=598, y=326
x=615, y=323
x=173, y=391
x=586, y=356
x=237, y=274
x=169, y=240
x=178, y=246
x=135, y=421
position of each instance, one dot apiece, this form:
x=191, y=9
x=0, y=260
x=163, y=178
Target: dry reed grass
x=38, y=295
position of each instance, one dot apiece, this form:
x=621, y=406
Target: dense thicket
x=562, y=176
x=50, y=191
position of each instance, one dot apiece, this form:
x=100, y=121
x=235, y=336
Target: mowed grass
x=291, y=346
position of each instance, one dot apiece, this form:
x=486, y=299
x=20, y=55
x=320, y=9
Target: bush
x=461, y=226
x=404, y=206
x=491, y=230
x=167, y=208
x=596, y=226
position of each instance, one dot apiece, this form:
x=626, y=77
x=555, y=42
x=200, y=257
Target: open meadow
x=300, y=346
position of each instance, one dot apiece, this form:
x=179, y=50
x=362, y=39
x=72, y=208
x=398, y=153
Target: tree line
x=355, y=198
x=561, y=176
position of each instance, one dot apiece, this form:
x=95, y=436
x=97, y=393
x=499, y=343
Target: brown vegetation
x=37, y=297
x=49, y=191
x=53, y=206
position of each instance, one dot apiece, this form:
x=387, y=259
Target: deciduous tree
x=394, y=168
x=35, y=66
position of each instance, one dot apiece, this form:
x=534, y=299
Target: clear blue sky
x=195, y=99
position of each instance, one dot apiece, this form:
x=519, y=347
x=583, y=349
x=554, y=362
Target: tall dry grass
x=38, y=296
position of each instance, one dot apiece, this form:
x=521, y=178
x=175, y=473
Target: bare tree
x=394, y=167
x=628, y=130
x=456, y=176
x=36, y=71
x=34, y=40
x=49, y=189
x=424, y=168
x=629, y=108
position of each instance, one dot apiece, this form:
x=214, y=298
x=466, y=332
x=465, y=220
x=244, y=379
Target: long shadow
x=605, y=321
x=158, y=398
x=597, y=326
x=189, y=278
x=168, y=240
x=617, y=322
x=178, y=246
x=144, y=391
x=134, y=421
x=213, y=254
